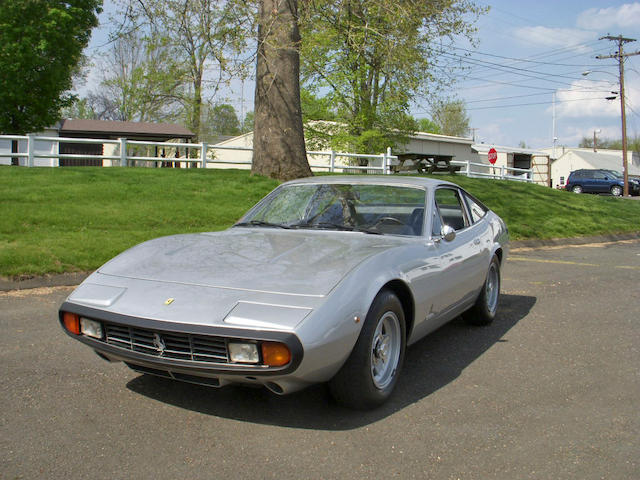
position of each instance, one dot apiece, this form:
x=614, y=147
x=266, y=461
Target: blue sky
x=562, y=36
x=526, y=51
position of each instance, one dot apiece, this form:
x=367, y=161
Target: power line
x=522, y=60
x=532, y=103
x=516, y=70
x=532, y=95
x=477, y=70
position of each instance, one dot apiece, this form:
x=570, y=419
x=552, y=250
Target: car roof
x=423, y=182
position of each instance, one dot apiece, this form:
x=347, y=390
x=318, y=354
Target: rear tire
x=370, y=374
x=484, y=310
x=577, y=189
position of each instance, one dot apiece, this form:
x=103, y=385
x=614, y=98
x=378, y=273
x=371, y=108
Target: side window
x=476, y=208
x=450, y=209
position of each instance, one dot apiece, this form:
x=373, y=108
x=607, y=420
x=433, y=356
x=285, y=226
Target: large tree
x=223, y=120
x=203, y=35
x=140, y=81
x=41, y=43
x=278, y=138
x=633, y=143
x=375, y=58
x=451, y=117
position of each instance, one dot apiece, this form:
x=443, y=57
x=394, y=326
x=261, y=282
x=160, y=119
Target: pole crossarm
x=604, y=57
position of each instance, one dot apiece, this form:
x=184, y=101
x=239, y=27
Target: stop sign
x=493, y=156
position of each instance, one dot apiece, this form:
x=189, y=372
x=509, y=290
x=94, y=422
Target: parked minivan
x=599, y=181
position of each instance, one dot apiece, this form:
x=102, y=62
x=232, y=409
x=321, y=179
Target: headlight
x=243, y=352
x=90, y=328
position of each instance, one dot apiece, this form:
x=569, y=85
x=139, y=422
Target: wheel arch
x=500, y=254
x=403, y=292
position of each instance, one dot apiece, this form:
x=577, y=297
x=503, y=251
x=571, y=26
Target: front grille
x=174, y=345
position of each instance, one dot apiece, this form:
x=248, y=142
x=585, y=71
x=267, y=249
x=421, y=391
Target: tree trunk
x=278, y=139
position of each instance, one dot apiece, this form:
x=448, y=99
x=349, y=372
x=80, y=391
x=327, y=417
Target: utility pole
x=595, y=139
x=473, y=133
x=553, y=125
x=620, y=55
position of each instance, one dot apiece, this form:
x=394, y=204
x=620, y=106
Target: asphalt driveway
x=550, y=390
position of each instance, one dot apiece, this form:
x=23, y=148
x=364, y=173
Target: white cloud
x=624, y=16
x=572, y=134
x=552, y=37
x=493, y=133
x=586, y=98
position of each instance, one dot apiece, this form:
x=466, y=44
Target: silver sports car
x=324, y=280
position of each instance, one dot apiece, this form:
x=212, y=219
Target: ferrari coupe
x=324, y=280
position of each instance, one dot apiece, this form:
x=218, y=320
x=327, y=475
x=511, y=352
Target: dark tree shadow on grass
x=430, y=364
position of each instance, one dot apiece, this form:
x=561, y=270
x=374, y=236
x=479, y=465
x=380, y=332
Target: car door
x=596, y=182
x=456, y=267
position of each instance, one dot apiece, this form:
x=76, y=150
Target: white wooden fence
x=45, y=151
x=483, y=170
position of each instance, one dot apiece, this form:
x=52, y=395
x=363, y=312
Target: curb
x=73, y=279
x=54, y=280
x=554, y=242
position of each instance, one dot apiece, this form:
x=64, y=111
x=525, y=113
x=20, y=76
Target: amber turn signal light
x=71, y=322
x=275, y=354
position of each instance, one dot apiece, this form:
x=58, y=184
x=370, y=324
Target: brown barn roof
x=129, y=130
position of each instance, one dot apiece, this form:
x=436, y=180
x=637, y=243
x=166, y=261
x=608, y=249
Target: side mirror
x=448, y=233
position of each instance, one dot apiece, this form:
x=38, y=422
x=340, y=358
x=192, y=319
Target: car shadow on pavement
x=430, y=364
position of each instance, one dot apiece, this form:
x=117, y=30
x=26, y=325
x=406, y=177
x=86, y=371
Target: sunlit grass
x=74, y=219
x=534, y=211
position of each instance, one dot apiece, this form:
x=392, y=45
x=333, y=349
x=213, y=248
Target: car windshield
x=375, y=209
x=615, y=173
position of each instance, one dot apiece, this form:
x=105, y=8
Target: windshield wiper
x=333, y=226
x=260, y=223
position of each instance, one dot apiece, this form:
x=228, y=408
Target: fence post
x=502, y=172
x=468, y=170
x=204, y=148
x=332, y=161
x=385, y=162
x=123, y=152
x=30, y=150
x=56, y=152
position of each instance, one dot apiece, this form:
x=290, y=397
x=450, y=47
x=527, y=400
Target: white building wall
x=41, y=147
x=577, y=158
x=5, y=147
x=460, y=151
x=242, y=157
x=563, y=166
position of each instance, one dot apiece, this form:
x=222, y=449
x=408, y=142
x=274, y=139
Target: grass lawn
x=74, y=219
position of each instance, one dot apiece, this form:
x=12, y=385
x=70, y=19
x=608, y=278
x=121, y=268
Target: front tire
x=484, y=310
x=370, y=374
x=616, y=190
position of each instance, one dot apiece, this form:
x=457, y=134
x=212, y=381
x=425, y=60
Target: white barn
x=571, y=159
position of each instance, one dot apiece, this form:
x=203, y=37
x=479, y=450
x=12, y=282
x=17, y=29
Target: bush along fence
x=47, y=151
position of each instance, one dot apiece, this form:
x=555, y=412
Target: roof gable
x=116, y=129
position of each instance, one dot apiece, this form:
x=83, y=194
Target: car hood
x=294, y=262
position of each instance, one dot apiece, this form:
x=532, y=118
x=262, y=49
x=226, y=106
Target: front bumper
x=186, y=352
